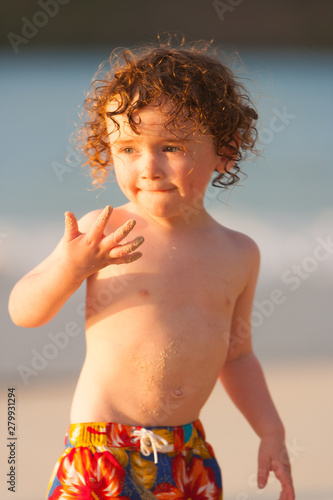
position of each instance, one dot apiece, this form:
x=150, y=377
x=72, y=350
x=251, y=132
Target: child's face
x=162, y=174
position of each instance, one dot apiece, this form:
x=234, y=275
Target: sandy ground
x=302, y=392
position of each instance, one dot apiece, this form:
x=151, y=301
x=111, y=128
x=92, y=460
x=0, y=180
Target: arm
x=39, y=295
x=244, y=381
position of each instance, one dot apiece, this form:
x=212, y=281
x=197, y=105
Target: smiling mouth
x=165, y=190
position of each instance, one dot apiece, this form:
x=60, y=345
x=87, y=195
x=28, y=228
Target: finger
x=113, y=239
x=263, y=472
x=127, y=248
x=283, y=474
x=97, y=229
x=127, y=259
x=71, y=227
x=288, y=493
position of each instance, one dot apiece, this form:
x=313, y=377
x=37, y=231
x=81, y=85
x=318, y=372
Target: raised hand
x=87, y=253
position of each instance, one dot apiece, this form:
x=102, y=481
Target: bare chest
x=183, y=282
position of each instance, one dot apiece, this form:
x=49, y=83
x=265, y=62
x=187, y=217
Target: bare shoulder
x=240, y=241
x=243, y=257
x=86, y=221
x=241, y=248
x=118, y=217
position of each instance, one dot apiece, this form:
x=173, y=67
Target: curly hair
x=199, y=87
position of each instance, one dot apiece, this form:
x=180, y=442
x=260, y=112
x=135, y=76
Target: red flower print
x=87, y=476
x=179, y=438
x=193, y=481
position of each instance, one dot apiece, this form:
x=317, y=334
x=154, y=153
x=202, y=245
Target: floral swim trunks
x=105, y=460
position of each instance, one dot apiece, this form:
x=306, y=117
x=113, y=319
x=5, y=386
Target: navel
x=178, y=393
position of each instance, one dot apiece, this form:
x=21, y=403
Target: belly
x=155, y=347
x=143, y=369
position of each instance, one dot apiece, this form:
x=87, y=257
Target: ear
x=224, y=163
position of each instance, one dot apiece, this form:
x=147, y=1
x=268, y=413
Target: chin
x=161, y=212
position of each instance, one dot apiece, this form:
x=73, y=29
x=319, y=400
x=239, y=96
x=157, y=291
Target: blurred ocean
x=285, y=204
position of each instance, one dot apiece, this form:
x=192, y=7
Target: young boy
x=162, y=325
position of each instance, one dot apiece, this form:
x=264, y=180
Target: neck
x=191, y=218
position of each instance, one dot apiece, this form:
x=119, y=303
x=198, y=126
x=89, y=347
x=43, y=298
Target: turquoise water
x=285, y=203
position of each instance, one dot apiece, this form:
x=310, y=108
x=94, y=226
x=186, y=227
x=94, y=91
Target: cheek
x=124, y=178
x=182, y=171
x=198, y=179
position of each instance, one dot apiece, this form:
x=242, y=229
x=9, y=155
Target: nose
x=152, y=167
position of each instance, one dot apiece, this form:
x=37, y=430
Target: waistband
x=148, y=439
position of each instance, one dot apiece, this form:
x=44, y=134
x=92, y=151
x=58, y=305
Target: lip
x=163, y=190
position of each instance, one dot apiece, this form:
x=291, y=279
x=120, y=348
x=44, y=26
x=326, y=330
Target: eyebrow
x=121, y=141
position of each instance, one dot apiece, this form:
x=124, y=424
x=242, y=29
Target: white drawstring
x=149, y=442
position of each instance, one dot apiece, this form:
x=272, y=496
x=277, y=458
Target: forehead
x=151, y=120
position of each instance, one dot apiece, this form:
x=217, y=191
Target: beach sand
x=301, y=390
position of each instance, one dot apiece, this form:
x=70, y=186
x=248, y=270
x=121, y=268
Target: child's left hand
x=273, y=456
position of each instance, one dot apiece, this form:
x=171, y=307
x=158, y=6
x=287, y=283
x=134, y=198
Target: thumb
x=71, y=227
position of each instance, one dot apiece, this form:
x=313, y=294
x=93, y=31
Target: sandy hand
x=87, y=253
